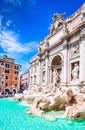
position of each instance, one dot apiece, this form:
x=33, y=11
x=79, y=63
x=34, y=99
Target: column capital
x=82, y=37
x=82, y=34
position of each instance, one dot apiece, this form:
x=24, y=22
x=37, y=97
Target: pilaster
x=47, y=68
x=65, y=64
x=82, y=55
x=39, y=74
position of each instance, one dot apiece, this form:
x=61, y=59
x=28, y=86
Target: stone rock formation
x=70, y=99
x=18, y=97
x=76, y=110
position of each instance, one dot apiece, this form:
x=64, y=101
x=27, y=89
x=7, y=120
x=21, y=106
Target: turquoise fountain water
x=13, y=117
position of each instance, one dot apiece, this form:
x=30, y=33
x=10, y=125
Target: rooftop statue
x=58, y=17
x=59, y=20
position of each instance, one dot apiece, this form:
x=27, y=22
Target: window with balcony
x=7, y=71
x=7, y=65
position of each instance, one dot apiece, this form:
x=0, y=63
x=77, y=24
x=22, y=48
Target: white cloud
x=9, y=43
x=8, y=23
x=10, y=46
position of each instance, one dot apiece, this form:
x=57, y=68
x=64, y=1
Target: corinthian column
x=82, y=56
x=39, y=71
x=47, y=68
x=65, y=64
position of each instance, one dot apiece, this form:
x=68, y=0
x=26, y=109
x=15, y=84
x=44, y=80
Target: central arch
x=57, y=60
x=56, y=69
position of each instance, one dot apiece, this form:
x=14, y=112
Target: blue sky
x=24, y=23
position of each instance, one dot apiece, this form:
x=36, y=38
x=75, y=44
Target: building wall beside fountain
x=61, y=55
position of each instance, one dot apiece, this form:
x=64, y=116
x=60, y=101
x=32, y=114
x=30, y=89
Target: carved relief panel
x=74, y=49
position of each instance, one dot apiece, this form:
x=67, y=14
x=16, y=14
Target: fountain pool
x=13, y=117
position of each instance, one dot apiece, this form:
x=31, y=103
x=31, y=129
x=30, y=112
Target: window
x=2, y=82
x=7, y=71
x=3, y=75
x=7, y=65
x=2, y=63
x=15, y=85
x=6, y=77
x=16, y=67
x=6, y=84
x=16, y=72
x=15, y=78
x=2, y=68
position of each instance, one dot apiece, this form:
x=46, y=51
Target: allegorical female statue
x=75, y=72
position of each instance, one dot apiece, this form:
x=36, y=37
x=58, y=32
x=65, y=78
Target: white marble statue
x=56, y=77
x=75, y=72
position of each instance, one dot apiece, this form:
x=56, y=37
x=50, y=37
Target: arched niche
x=56, y=69
x=57, y=60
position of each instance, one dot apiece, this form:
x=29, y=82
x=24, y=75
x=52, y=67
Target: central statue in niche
x=56, y=77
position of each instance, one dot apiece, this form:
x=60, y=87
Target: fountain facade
x=60, y=58
x=57, y=72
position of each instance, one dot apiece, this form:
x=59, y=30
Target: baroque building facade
x=9, y=75
x=61, y=55
x=24, y=80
